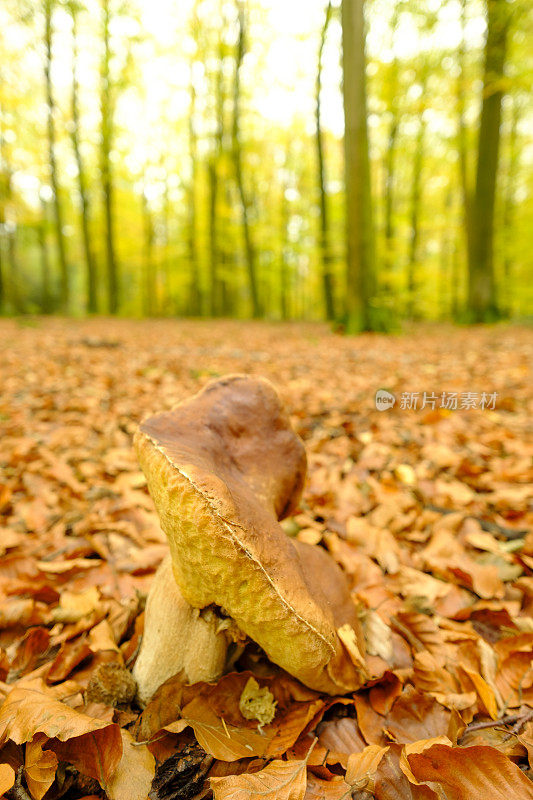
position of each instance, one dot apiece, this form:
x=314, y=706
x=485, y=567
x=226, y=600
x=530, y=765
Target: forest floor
x=428, y=511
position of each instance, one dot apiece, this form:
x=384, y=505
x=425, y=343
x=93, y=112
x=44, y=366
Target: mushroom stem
x=177, y=638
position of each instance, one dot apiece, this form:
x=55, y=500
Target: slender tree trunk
x=42, y=231
x=360, y=279
x=149, y=272
x=48, y=7
x=3, y=197
x=106, y=111
x=482, y=299
x=445, y=256
x=251, y=255
x=216, y=289
x=392, y=87
x=90, y=266
x=513, y=160
x=462, y=137
x=284, y=267
x=324, y=236
x=416, y=207
x=195, y=298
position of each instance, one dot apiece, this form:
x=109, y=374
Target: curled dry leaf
x=362, y=766
x=416, y=715
x=7, y=778
x=39, y=767
x=391, y=784
x=318, y=789
x=470, y=773
x=133, y=776
x=92, y=746
x=340, y=737
x=280, y=780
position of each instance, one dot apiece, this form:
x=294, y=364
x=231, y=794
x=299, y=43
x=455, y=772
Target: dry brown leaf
x=484, y=691
x=318, y=789
x=391, y=784
x=134, y=774
x=470, y=773
x=7, y=777
x=416, y=715
x=339, y=738
x=280, y=780
x=39, y=767
x=70, y=655
x=92, y=746
x=362, y=766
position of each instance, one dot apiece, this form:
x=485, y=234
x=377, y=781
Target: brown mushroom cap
x=222, y=468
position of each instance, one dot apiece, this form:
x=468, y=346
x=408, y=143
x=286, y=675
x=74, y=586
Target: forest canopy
x=187, y=158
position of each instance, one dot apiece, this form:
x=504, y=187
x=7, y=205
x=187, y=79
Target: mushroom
x=222, y=468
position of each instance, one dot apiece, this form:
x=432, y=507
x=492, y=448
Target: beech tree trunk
x=250, y=250
x=90, y=265
x=195, y=298
x=360, y=277
x=326, y=254
x=513, y=160
x=48, y=7
x=149, y=270
x=216, y=289
x=46, y=293
x=416, y=207
x=392, y=87
x=106, y=111
x=462, y=138
x=482, y=299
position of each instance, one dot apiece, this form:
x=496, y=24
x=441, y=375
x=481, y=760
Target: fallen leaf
x=39, y=767
x=280, y=780
x=470, y=773
x=362, y=766
x=134, y=774
x=7, y=777
x=92, y=746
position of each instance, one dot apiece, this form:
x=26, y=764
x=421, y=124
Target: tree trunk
x=195, y=297
x=54, y=178
x=106, y=111
x=90, y=266
x=216, y=289
x=392, y=89
x=359, y=224
x=446, y=256
x=251, y=256
x=416, y=206
x=513, y=159
x=462, y=138
x=324, y=237
x=42, y=230
x=482, y=300
x=149, y=274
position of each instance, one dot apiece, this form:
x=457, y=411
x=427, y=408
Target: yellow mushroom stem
x=177, y=638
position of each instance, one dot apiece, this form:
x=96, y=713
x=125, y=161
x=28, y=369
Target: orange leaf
x=93, y=747
x=39, y=767
x=280, y=780
x=134, y=775
x=362, y=766
x=7, y=777
x=471, y=773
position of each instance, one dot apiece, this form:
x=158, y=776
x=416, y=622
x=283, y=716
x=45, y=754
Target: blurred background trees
x=190, y=159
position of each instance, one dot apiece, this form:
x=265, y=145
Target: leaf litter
x=428, y=511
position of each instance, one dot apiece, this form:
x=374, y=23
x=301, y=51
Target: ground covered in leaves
x=428, y=511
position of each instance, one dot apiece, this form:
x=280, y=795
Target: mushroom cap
x=222, y=467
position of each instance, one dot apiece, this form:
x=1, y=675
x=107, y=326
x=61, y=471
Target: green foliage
x=159, y=53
